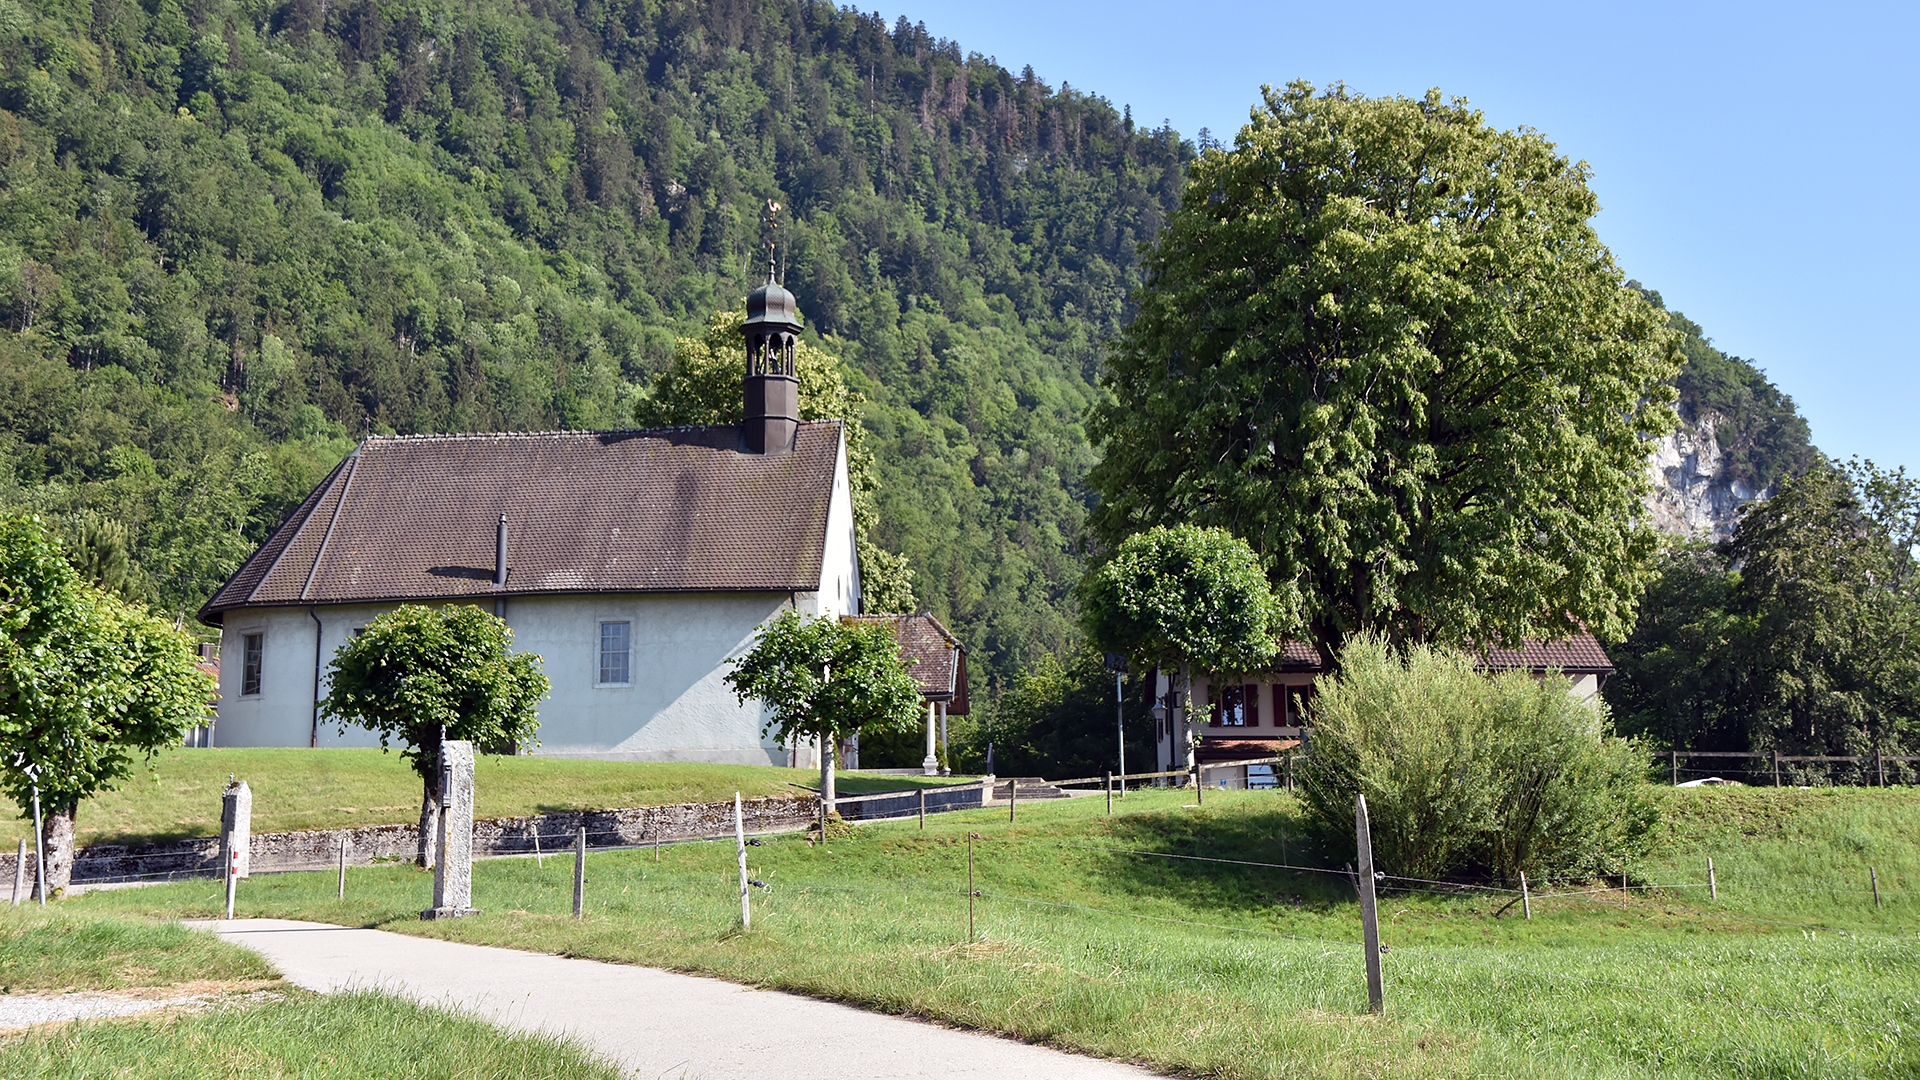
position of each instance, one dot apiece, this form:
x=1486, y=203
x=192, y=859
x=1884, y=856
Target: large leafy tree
x=1795, y=635
x=86, y=682
x=424, y=674
x=824, y=679
x=1381, y=341
x=703, y=387
x=1189, y=597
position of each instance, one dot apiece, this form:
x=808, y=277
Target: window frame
x=601, y=654
x=253, y=662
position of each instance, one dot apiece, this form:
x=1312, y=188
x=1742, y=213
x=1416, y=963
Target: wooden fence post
x=970, y=890
x=923, y=808
x=1880, y=765
x=1526, y=899
x=1369, y=910
x=1874, y=877
x=1109, y=794
x=1675, y=756
x=343, y=868
x=740, y=842
x=580, y=874
x=1013, y=798
x=1713, y=885
x=1776, y=768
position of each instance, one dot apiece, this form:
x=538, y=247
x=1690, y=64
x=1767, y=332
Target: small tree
x=86, y=681
x=1185, y=596
x=827, y=679
x=423, y=674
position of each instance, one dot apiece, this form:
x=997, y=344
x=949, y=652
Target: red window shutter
x=1213, y=707
x=1252, y=691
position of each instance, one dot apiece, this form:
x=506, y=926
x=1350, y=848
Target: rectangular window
x=1299, y=699
x=616, y=653
x=1236, y=706
x=253, y=646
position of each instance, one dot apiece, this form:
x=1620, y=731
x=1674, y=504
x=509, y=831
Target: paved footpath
x=654, y=1024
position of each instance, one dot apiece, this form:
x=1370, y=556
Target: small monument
x=236, y=829
x=453, y=871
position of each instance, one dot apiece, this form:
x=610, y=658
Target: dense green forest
x=237, y=236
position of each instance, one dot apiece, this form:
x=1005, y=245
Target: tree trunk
x=429, y=847
x=430, y=798
x=58, y=873
x=1186, y=715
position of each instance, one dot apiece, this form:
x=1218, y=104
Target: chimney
x=500, y=554
x=772, y=329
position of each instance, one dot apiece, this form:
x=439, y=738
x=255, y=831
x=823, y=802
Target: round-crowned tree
x=87, y=681
x=1185, y=596
x=423, y=674
x=1381, y=341
x=825, y=679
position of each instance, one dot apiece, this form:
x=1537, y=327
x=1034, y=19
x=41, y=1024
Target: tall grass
x=1218, y=969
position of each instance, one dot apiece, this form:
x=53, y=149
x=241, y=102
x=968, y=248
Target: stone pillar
x=946, y=770
x=930, y=765
x=236, y=828
x=453, y=870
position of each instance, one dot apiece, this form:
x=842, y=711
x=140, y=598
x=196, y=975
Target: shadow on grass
x=1277, y=835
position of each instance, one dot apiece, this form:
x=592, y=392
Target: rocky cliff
x=1739, y=436
x=1695, y=494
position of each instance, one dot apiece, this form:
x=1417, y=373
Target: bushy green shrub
x=1466, y=772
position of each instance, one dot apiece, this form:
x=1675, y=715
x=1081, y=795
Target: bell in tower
x=772, y=330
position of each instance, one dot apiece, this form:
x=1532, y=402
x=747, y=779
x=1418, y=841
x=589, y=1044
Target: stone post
x=930, y=765
x=453, y=870
x=236, y=829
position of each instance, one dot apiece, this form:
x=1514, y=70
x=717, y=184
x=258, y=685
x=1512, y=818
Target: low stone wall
x=320, y=848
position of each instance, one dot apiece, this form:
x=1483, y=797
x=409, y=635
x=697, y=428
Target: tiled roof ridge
x=952, y=640
x=455, y=436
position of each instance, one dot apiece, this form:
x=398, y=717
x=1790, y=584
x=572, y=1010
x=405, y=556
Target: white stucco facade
x=674, y=705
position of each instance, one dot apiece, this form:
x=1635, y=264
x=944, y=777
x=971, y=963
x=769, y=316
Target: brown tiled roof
x=1580, y=654
x=1215, y=748
x=936, y=659
x=665, y=510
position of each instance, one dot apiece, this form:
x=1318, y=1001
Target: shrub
x=1466, y=772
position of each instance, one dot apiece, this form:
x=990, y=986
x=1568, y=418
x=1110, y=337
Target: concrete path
x=652, y=1023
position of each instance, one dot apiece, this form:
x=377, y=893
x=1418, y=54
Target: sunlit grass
x=353, y=1036
x=1213, y=968
x=326, y=789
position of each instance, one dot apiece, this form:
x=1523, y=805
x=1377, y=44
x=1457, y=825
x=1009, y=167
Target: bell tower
x=772, y=330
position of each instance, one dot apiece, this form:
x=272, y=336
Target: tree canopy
x=1381, y=341
x=86, y=682
x=824, y=679
x=1185, y=595
x=1795, y=635
x=420, y=674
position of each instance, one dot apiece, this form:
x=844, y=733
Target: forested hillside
x=236, y=237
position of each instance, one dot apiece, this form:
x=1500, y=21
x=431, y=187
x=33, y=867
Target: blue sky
x=1757, y=164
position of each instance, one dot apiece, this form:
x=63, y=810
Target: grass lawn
x=326, y=789
x=354, y=1036
x=1230, y=970
x=252, y=1024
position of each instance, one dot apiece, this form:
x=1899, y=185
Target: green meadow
x=1088, y=936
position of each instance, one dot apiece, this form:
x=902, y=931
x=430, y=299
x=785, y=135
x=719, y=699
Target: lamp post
x=1117, y=664
x=1159, y=719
